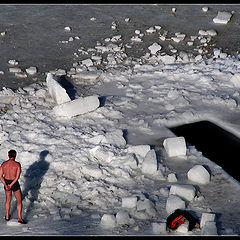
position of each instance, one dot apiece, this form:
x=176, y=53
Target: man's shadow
x=33, y=180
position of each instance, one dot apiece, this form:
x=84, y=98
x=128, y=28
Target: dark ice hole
x=215, y=143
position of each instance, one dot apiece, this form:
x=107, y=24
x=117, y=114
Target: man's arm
x=17, y=175
x=2, y=179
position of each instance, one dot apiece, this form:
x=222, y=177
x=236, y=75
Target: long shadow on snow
x=33, y=179
x=215, y=143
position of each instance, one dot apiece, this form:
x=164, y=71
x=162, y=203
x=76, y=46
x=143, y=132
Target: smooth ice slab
x=57, y=92
x=77, y=107
x=222, y=17
x=175, y=146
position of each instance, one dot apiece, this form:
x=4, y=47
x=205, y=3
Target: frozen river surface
x=34, y=33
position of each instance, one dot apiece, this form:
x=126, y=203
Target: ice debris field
x=99, y=159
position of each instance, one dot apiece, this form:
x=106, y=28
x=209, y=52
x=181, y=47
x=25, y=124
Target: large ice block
x=57, y=92
x=175, y=146
x=77, y=106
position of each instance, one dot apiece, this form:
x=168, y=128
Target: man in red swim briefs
x=10, y=171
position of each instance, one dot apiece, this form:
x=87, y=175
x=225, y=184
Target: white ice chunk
x=77, y=106
x=183, y=228
x=149, y=165
x=204, y=9
x=186, y=192
x=202, y=32
x=207, y=217
x=15, y=70
x=216, y=52
x=67, y=29
x=129, y=202
x=141, y=150
x=154, y=48
x=102, y=154
x=199, y=174
x=108, y=221
x=172, y=177
x=57, y=92
x=123, y=217
x=222, y=17
x=175, y=146
x=115, y=138
x=92, y=170
x=174, y=202
x=144, y=204
x=87, y=62
x=13, y=62
x=235, y=79
x=211, y=32
x=159, y=228
x=167, y=59
x=209, y=228
x=31, y=70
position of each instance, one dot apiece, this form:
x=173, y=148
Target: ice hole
x=215, y=143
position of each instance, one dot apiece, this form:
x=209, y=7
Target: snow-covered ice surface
x=87, y=175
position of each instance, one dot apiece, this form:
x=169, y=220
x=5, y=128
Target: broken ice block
x=141, y=150
x=31, y=70
x=174, y=202
x=122, y=217
x=199, y=174
x=207, y=217
x=108, y=221
x=57, y=92
x=184, y=191
x=154, y=48
x=183, y=228
x=149, y=165
x=77, y=106
x=129, y=202
x=209, y=228
x=222, y=17
x=175, y=146
x=172, y=177
x=235, y=79
x=158, y=228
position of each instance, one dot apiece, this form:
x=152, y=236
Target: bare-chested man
x=10, y=171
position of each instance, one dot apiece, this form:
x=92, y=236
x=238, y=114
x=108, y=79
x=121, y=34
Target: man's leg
x=8, y=202
x=18, y=196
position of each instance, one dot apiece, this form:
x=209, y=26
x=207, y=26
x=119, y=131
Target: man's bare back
x=10, y=169
x=10, y=172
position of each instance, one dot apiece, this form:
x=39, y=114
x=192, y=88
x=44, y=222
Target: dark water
x=34, y=32
x=215, y=143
